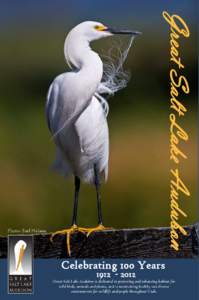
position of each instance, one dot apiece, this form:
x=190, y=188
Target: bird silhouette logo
x=20, y=264
x=19, y=250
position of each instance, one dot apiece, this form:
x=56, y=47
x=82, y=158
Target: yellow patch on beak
x=100, y=27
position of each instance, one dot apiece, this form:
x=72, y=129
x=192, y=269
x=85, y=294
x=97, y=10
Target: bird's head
x=77, y=41
x=20, y=245
x=92, y=31
x=19, y=252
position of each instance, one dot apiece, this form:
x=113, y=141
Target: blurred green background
x=137, y=192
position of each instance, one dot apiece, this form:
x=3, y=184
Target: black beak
x=116, y=31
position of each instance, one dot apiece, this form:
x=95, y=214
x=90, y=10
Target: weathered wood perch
x=125, y=243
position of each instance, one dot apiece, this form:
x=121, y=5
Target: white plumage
x=76, y=111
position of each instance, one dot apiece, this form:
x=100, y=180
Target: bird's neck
x=81, y=57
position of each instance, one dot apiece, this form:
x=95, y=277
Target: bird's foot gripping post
x=67, y=232
x=99, y=227
x=74, y=228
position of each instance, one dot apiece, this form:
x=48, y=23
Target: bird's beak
x=117, y=31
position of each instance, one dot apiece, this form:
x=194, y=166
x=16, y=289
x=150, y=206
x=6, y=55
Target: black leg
x=77, y=188
x=97, y=186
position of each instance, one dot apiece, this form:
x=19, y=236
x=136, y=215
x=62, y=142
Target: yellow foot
x=100, y=227
x=74, y=228
x=68, y=232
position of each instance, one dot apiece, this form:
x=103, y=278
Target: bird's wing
x=64, y=104
x=92, y=130
x=51, y=104
x=60, y=164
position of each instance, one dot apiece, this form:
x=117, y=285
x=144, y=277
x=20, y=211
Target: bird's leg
x=74, y=226
x=97, y=187
x=76, y=198
x=100, y=226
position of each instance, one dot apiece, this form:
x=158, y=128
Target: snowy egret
x=76, y=115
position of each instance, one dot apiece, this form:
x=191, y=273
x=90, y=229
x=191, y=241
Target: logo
x=20, y=264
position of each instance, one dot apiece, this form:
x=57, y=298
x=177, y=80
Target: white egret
x=76, y=114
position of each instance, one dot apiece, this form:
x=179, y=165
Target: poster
x=98, y=110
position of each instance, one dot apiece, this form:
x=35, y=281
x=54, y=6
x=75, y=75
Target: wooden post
x=120, y=243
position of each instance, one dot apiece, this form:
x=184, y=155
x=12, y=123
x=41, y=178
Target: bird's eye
x=100, y=27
